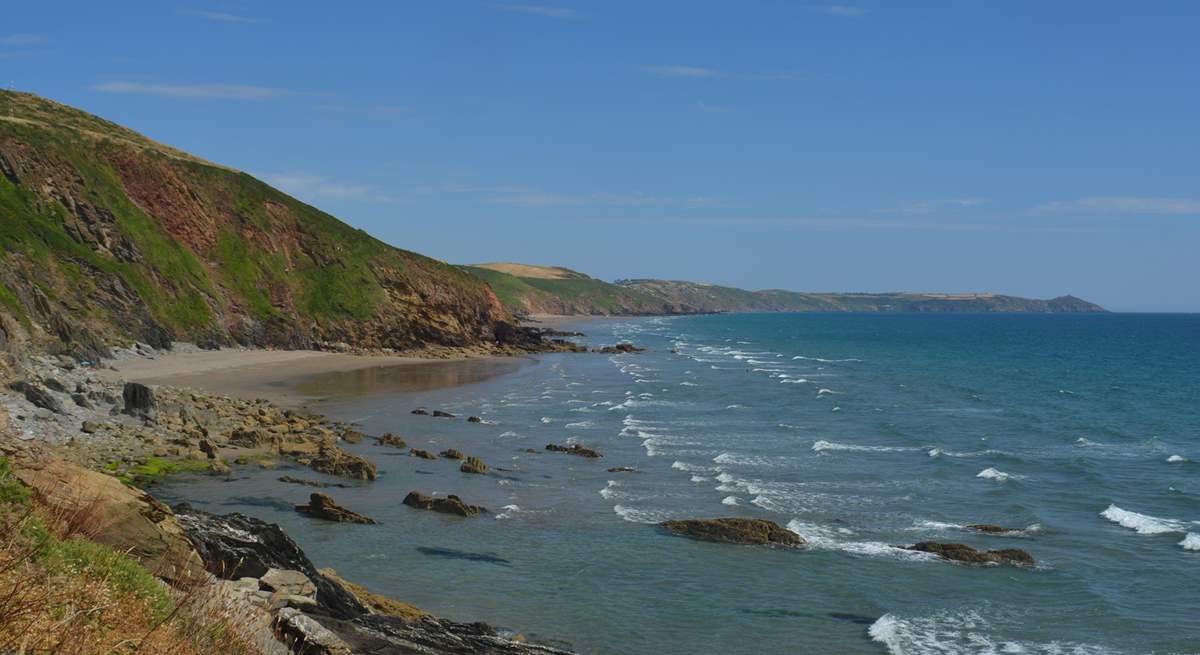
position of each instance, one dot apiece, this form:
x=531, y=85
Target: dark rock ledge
x=334, y=621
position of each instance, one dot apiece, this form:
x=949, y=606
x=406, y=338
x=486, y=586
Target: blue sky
x=1032, y=148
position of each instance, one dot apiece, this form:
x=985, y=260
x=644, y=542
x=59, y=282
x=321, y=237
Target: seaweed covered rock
x=322, y=506
x=449, y=505
x=452, y=453
x=574, y=449
x=423, y=454
x=389, y=439
x=473, y=465
x=968, y=555
x=335, y=461
x=735, y=531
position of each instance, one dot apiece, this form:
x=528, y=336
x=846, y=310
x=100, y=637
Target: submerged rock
x=352, y=436
x=322, y=506
x=574, y=449
x=449, y=505
x=437, y=413
x=622, y=469
x=618, y=349
x=988, y=528
x=735, y=531
x=452, y=453
x=474, y=419
x=473, y=465
x=423, y=454
x=421, y=411
x=312, y=483
x=389, y=439
x=966, y=554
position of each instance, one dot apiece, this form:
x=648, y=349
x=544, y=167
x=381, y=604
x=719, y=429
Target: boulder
x=437, y=413
x=473, y=465
x=966, y=554
x=421, y=411
x=54, y=384
x=352, y=436
x=81, y=400
x=42, y=398
x=288, y=582
x=209, y=448
x=123, y=517
x=735, y=531
x=474, y=419
x=423, y=454
x=335, y=461
x=574, y=449
x=322, y=506
x=389, y=439
x=139, y=399
x=89, y=427
x=377, y=603
x=449, y=505
x=452, y=453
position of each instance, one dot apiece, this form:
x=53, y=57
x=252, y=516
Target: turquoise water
x=857, y=431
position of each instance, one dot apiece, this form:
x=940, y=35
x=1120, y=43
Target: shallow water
x=857, y=431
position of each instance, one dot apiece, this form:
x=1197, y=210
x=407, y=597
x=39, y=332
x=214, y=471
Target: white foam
x=823, y=445
x=995, y=474
x=822, y=538
x=1176, y=459
x=510, y=433
x=826, y=361
x=698, y=478
x=509, y=510
x=608, y=492
x=547, y=419
x=729, y=500
x=961, y=633
x=688, y=384
x=822, y=392
x=1141, y=523
x=580, y=425
x=691, y=468
x=634, y=515
x=1191, y=542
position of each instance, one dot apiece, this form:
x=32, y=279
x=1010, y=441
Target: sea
x=859, y=432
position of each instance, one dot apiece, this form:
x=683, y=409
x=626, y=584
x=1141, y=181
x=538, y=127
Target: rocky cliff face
x=107, y=236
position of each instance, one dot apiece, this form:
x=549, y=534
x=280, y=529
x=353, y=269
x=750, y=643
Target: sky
x=1028, y=147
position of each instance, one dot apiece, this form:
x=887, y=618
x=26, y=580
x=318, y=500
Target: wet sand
x=297, y=377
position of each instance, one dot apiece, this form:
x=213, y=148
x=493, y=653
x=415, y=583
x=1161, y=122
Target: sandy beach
x=293, y=378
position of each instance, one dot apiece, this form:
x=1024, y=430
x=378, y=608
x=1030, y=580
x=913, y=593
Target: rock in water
x=352, y=436
x=473, y=465
x=474, y=419
x=321, y=506
x=575, y=449
x=335, y=461
x=421, y=411
x=988, y=528
x=437, y=413
x=966, y=554
x=449, y=505
x=735, y=531
x=423, y=454
x=389, y=439
x=452, y=453
x=139, y=399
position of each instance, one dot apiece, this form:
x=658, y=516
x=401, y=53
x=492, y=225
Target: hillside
x=108, y=236
x=684, y=297
x=527, y=289
x=561, y=291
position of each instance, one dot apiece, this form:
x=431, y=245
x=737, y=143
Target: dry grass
x=62, y=593
x=530, y=270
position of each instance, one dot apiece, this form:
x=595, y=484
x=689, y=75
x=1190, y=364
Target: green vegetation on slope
x=108, y=236
x=564, y=292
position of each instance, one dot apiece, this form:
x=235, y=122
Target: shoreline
x=296, y=378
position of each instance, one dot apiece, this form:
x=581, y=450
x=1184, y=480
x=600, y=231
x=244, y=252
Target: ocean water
x=856, y=431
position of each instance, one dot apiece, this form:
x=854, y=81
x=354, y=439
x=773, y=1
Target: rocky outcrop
x=111, y=513
x=735, y=531
x=574, y=449
x=322, y=506
x=967, y=555
x=343, y=619
x=335, y=461
x=39, y=396
x=473, y=465
x=389, y=439
x=449, y=505
x=619, y=349
x=139, y=399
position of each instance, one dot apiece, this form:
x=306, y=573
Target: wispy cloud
x=193, y=91
x=221, y=16
x=532, y=197
x=681, y=71
x=547, y=11
x=845, y=11
x=22, y=40
x=1124, y=205
x=310, y=186
x=931, y=206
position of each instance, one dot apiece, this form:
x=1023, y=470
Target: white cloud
x=221, y=16
x=20, y=40
x=193, y=91
x=310, y=186
x=845, y=11
x=537, y=10
x=681, y=71
x=1124, y=205
x=930, y=206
